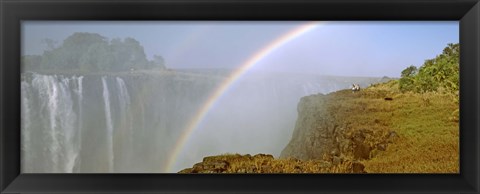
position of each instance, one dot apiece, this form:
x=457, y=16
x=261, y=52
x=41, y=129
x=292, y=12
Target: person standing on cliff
x=355, y=88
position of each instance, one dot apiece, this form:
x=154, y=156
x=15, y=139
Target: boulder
x=358, y=167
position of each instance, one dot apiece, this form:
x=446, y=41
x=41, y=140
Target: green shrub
x=441, y=72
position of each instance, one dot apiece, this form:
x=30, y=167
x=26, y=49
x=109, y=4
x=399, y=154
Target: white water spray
x=108, y=117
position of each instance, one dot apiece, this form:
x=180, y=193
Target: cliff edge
x=385, y=130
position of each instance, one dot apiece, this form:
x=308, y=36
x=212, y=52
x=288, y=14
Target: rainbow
x=223, y=87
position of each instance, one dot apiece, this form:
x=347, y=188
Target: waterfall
x=26, y=124
x=108, y=119
x=49, y=123
x=66, y=127
x=78, y=139
x=48, y=93
x=125, y=126
x=124, y=97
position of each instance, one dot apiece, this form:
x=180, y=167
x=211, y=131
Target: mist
x=97, y=104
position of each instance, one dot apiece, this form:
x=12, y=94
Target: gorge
x=119, y=122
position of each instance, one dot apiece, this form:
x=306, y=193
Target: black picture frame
x=12, y=12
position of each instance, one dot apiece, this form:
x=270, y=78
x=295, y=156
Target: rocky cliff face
x=314, y=129
x=336, y=127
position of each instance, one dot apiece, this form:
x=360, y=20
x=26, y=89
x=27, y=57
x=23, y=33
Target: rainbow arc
x=196, y=121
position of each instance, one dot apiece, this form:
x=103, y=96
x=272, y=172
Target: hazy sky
x=332, y=48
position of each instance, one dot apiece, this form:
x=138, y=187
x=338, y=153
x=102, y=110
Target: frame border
x=12, y=12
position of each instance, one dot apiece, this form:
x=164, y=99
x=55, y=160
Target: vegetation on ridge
x=91, y=52
x=441, y=73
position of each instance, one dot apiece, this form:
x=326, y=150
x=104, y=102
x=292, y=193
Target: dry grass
x=428, y=127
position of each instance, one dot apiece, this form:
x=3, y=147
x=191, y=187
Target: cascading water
x=78, y=133
x=25, y=132
x=108, y=117
x=125, y=127
x=48, y=103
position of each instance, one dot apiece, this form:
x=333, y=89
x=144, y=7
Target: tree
x=158, y=62
x=51, y=44
x=407, y=80
x=68, y=55
x=409, y=71
x=91, y=52
x=439, y=72
x=31, y=62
